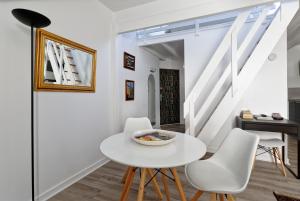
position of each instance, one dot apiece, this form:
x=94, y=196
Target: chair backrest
x=237, y=154
x=134, y=124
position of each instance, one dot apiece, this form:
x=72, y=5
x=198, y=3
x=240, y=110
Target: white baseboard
x=71, y=180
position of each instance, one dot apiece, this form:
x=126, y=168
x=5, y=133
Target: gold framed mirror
x=63, y=65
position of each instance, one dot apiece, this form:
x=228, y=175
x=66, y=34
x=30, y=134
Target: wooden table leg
x=197, y=195
x=142, y=185
x=128, y=183
x=221, y=197
x=178, y=184
x=125, y=176
x=165, y=183
x=230, y=197
x=213, y=197
x=283, y=148
x=155, y=184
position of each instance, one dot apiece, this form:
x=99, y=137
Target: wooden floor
x=105, y=184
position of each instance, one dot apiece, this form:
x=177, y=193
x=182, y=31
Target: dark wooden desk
x=285, y=126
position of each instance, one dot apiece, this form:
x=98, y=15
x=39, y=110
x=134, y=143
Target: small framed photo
x=129, y=90
x=129, y=61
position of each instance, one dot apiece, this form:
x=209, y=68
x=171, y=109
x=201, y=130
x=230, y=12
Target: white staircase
x=64, y=70
x=205, y=116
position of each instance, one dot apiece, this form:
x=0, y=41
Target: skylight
x=223, y=19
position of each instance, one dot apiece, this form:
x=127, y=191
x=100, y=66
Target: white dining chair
x=228, y=171
x=132, y=125
x=269, y=144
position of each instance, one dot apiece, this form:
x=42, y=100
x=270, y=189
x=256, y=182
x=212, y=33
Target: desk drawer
x=272, y=128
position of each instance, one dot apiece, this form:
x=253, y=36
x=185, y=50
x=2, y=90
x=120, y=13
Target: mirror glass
x=65, y=65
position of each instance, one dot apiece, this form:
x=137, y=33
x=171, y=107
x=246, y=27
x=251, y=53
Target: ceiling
x=168, y=50
x=117, y=5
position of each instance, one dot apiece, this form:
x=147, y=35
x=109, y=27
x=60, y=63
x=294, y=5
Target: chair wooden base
x=213, y=196
x=129, y=176
x=278, y=155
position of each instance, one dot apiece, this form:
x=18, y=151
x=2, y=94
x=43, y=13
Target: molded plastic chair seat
x=272, y=143
x=228, y=170
x=263, y=135
x=210, y=176
x=135, y=124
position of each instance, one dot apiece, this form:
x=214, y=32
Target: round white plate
x=154, y=143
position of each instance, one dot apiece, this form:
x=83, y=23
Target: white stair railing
x=189, y=105
x=232, y=67
x=251, y=68
x=64, y=71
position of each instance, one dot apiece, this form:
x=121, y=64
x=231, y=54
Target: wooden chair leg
x=197, y=196
x=128, y=183
x=221, y=196
x=142, y=185
x=213, y=197
x=178, y=184
x=274, y=155
x=165, y=183
x=230, y=197
x=281, y=162
x=125, y=176
x=155, y=184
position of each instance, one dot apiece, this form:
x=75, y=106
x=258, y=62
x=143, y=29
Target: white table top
x=122, y=149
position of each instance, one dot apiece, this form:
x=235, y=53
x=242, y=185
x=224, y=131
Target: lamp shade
x=31, y=18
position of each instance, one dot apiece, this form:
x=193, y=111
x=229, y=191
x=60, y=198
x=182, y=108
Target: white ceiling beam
x=169, y=11
x=155, y=53
x=170, y=49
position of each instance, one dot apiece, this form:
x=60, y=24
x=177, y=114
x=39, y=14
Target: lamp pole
x=34, y=20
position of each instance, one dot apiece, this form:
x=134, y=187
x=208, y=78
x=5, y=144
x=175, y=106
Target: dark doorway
x=169, y=96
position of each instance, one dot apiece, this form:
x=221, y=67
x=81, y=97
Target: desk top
x=122, y=149
x=285, y=122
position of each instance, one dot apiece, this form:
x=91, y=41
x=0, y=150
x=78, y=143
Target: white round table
x=122, y=149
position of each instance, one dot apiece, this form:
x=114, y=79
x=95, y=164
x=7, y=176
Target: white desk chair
x=271, y=145
x=228, y=171
x=132, y=125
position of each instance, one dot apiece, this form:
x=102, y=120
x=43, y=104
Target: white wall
x=69, y=126
x=144, y=62
x=293, y=56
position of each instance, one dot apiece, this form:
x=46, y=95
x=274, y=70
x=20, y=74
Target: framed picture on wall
x=129, y=90
x=129, y=61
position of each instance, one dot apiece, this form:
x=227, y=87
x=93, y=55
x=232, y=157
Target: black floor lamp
x=34, y=20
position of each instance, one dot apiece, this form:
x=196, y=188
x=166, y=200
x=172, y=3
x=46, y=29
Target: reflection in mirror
x=67, y=66
x=63, y=64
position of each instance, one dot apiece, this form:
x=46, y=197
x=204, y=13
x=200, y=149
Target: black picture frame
x=129, y=90
x=129, y=61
